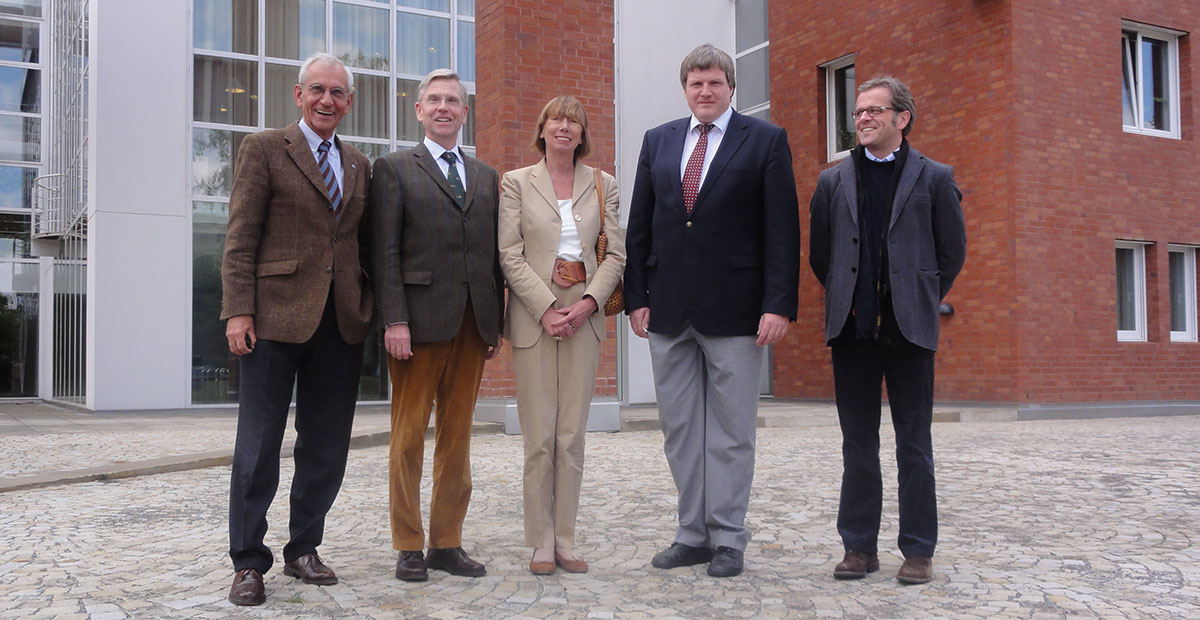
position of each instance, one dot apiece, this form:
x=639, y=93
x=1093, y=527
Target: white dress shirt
x=436, y=150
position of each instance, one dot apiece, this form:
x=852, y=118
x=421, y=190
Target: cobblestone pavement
x=1055, y=519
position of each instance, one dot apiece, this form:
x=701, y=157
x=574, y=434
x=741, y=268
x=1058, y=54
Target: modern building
x=120, y=121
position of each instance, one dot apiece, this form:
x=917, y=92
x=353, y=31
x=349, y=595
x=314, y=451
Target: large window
x=247, y=56
x=21, y=32
x=1131, y=291
x=1181, y=270
x=1150, y=80
x=753, y=69
x=839, y=107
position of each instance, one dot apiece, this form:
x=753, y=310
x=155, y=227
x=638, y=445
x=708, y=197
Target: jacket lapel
x=302, y=156
x=544, y=186
x=352, y=177
x=425, y=162
x=735, y=134
x=674, y=145
x=908, y=179
x=848, y=186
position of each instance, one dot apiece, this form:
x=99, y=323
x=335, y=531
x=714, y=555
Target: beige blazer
x=285, y=247
x=529, y=232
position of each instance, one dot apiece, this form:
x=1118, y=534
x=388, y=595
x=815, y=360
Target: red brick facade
x=528, y=52
x=1023, y=99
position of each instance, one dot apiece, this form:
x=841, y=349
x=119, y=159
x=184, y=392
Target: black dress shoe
x=247, y=588
x=456, y=562
x=679, y=554
x=310, y=569
x=726, y=562
x=410, y=566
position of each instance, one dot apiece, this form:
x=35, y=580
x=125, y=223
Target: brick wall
x=528, y=52
x=1023, y=99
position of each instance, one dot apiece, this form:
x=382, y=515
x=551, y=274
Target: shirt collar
x=721, y=123
x=890, y=156
x=313, y=139
x=436, y=149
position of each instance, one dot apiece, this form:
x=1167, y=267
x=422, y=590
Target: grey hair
x=706, y=56
x=902, y=97
x=438, y=74
x=329, y=59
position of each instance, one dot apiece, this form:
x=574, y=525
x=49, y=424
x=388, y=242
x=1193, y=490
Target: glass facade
x=21, y=32
x=242, y=83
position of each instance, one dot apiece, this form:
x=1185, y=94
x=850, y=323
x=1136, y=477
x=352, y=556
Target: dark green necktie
x=456, y=184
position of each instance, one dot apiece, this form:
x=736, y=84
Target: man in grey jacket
x=887, y=242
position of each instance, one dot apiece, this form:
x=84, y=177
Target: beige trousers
x=555, y=382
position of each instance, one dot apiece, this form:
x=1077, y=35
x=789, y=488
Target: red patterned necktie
x=331, y=184
x=691, y=173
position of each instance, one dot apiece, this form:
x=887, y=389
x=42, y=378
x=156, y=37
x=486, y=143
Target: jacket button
x=854, y=270
x=854, y=240
x=689, y=224
x=464, y=284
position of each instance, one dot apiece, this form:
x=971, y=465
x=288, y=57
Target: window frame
x=1139, y=332
x=1189, y=333
x=831, y=113
x=1171, y=37
x=761, y=110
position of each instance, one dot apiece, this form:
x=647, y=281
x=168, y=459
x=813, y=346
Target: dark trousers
x=325, y=372
x=859, y=367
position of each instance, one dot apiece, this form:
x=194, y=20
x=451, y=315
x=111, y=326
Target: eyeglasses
x=319, y=91
x=872, y=111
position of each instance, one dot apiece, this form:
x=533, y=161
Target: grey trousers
x=707, y=388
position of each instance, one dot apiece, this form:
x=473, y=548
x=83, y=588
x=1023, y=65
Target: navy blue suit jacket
x=737, y=255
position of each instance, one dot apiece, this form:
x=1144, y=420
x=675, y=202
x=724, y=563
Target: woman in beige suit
x=549, y=220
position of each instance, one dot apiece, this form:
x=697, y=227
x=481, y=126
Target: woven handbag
x=616, y=301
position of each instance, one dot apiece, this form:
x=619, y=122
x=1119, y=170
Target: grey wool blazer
x=429, y=255
x=926, y=244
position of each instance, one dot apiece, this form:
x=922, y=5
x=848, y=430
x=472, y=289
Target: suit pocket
x=418, y=277
x=277, y=268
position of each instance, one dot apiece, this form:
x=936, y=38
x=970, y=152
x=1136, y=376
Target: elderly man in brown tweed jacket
x=299, y=306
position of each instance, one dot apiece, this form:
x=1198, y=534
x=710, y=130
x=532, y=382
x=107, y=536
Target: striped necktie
x=456, y=184
x=331, y=185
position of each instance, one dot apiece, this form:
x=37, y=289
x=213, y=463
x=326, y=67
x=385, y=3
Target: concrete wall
x=138, y=303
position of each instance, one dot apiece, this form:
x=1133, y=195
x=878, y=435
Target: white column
x=651, y=40
x=139, y=245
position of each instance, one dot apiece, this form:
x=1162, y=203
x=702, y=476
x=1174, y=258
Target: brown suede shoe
x=916, y=569
x=310, y=569
x=856, y=565
x=569, y=565
x=247, y=588
x=541, y=567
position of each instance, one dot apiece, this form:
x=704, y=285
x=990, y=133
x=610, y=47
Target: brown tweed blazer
x=430, y=255
x=285, y=248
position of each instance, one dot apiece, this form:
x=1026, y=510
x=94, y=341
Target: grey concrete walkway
x=1054, y=519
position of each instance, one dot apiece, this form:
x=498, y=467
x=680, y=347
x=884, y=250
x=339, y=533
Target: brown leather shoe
x=569, y=565
x=916, y=569
x=410, y=566
x=456, y=562
x=310, y=569
x=247, y=588
x=856, y=565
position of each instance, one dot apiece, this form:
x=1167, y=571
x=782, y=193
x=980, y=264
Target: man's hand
x=397, y=340
x=239, y=331
x=771, y=328
x=494, y=352
x=640, y=320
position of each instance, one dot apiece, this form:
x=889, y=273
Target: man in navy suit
x=713, y=249
x=887, y=241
